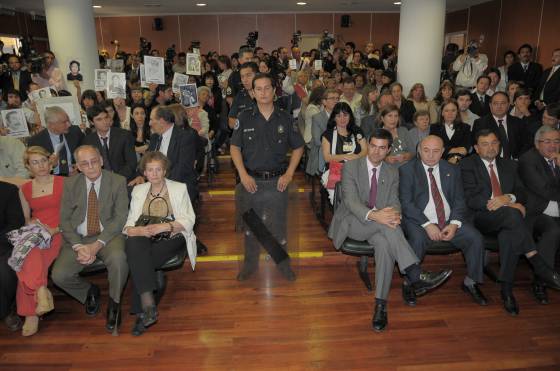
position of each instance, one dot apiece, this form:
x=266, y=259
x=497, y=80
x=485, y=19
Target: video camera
x=472, y=48
x=296, y=38
x=252, y=39
x=195, y=44
x=28, y=53
x=145, y=47
x=327, y=40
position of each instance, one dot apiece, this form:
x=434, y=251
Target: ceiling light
x=301, y=3
x=200, y=4
x=397, y=3
x=97, y=6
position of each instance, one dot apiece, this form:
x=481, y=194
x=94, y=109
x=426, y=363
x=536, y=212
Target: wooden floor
x=209, y=321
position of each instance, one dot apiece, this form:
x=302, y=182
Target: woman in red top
x=40, y=199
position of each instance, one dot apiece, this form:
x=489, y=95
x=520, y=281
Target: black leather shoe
x=286, y=270
x=379, y=320
x=510, y=304
x=201, y=248
x=408, y=294
x=551, y=279
x=475, y=293
x=430, y=280
x=13, y=322
x=161, y=285
x=539, y=292
x=150, y=316
x=246, y=272
x=92, y=301
x=114, y=317
x=138, y=328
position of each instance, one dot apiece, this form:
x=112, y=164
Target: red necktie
x=496, y=189
x=373, y=190
x=440, y=210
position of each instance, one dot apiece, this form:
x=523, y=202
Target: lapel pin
x=448, y=174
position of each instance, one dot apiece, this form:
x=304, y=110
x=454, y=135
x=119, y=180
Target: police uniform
x=264, y=145
x=242, y=102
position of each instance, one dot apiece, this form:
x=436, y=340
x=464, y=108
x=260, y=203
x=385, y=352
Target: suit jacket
x=461, y=137
x=73, y=138
x=316, y=162
x=11, y=215
x=6, y=82
x=355, y=196
x=542, y=186
x=479, y=108
x=477, y=186
x=530, y=78
x=516, y=133
x=414, y=191
x=113, y=206
x=407, y=112
x=183, y=211
x=182, y=154
x=550, y=88
x=121, y=151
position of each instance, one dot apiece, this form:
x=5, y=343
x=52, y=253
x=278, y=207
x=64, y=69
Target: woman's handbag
x=144, y=220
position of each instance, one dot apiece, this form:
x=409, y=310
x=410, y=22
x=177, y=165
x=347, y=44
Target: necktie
x=481, y=98
x=93, y=227
x=105, y=154
x=440, y=210
x=158, y=142
x=496, y=189
x=63, y=168
x=373, y=189
x=553, y=168
x=15, y=80
x=503, y=139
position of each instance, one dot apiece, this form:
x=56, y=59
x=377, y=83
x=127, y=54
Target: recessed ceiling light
x=200, y=4
x=397, y=3
x=301, y=3
x=97, y=6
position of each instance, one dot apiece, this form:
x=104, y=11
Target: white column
x=71, y=29
x=421, y=36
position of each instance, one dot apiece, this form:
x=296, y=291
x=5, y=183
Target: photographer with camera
x=49, y=74
x=469, y=66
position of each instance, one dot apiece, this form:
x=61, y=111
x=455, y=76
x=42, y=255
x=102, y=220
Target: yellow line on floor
x=232, y=192
x=224, y=258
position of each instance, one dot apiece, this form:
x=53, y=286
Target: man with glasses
x=94, y=213
x=539, y=170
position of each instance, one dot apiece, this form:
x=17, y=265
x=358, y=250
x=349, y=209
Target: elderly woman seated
x=166, y=204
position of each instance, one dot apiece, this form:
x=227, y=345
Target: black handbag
x=144, y=220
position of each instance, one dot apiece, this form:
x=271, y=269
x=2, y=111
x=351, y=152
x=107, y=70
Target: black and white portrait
x=178, y=80
x=14, y=121
x=40, y=94
x=117, y=65
x=74, y=71
x=193, y=64
x=189, y=97
x=101, y=79
x=153, y=69
x=116, y=85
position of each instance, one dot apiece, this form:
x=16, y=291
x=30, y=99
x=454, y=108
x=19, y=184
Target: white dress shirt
x=449, y=130
x=82, y=228
x=107, y=135
x=165, y=139
x=430, y=209
x=552, y=207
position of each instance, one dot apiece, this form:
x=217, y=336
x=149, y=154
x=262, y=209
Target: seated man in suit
x=370, y=210
x=480, y=101
x=548, y=90
x=60, y=138
x=509, y=129
x=115, y=144
x=496, y=195
x=95, y=210
x=433, y=204
x=539, y=169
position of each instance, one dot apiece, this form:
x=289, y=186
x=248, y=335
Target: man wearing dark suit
x=526, y=70
x=316, y=162
x=508, y=129
x=480, y=101
x=15, y=78
x=539, y=169
x=60, y=138
x=496, y=195
x=115, y=144
x=95, y=207
x=548, y=90
x=370, y=210
x=433, y=204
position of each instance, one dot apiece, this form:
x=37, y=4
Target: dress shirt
x=552, y=71
x=82, y=228
x=449, y=130
x=370, y=168
x=504, y=123
x=487, y=165
x=471, y=117
x=55, y=140
x=430, y=209
x=108, y=136
x=165, y=139
x=552, y=207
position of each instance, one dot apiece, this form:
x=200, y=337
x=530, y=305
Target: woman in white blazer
x=159, y=197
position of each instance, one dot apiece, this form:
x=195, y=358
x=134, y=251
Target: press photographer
x=49, y=74
x=469, y=66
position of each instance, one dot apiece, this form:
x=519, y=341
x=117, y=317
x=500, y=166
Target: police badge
x=280, y=129
x=236, y=125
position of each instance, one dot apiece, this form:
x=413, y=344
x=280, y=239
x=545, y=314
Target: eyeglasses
x=92, y=163
x=39, y=162
x=549, y=141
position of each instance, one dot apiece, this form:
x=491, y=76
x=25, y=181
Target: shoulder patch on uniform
x=236, y=126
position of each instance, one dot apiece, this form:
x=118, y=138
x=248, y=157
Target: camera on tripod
x=296, y=39
x=145, y=47
x=327, y=40
x=252, y=39
x=30, y=55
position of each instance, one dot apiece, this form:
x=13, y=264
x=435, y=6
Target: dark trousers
x=8, y=284
x=144, y=258
x=546, y=230
x=514, y=238
x=467, y=239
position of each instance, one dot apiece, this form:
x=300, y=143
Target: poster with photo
x=68, y=104
x=189, y=97
x=116, y=85
x=178, y=80
x=35, y=95
x=74, y=71
x=14, y=120
x=193, y=64
x=117, y=65
x=318, y=64
x=292, y=64
x=143, y=82
x=100, y=81
x=153, y=70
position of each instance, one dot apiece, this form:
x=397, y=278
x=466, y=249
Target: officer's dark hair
x=165, y=113
x=94, y=111
x=553, y=109
x=483, y=133
x=260, y=76
x=525, y=46
x=380, y=133
x=483, y=77
x=462, y=93
x=343, y=107
x=251, y=65
x=499, y=93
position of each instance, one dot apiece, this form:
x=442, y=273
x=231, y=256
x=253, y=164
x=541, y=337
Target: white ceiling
x=139, y=7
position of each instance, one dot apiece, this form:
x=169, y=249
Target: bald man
x=433, y=209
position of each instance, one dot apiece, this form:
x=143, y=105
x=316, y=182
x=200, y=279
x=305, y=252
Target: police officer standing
x=244, y=98
x=260, y=142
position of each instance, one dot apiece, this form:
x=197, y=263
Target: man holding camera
x=469, y=66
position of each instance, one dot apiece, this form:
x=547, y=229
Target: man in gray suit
x=370, y=210
x=95, y=207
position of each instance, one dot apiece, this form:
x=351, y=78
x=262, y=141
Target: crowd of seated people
x=486, y=145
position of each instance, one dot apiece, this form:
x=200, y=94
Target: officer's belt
x=266, y=174
x=265, y=238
